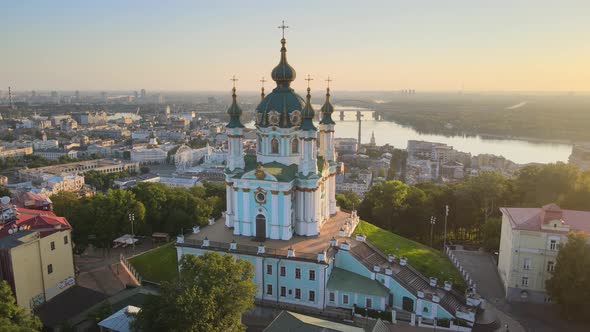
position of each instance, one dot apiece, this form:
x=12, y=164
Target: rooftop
x=532, y=219
x=290, y=321
x=347, y=281
x=26, y=219
x=220, y=234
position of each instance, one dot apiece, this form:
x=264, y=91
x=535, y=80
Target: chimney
x=448, y=286
x=322, y=256
x=361, y=237
x=391, y=258
x=403, y=261
x=180, y=239
x=333, y=242
x=233, y=245
x=205, y=242
x=433, y=281
x=344, y=245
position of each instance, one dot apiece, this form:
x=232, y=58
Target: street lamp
x=131, y=220
x=432, y=222
x=445, y=234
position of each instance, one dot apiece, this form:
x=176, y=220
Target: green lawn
x=430, y=262
x=157, y=265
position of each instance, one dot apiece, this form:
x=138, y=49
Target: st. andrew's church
x=289, y=187
x=282, y=218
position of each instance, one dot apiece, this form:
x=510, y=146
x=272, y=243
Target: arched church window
x=295, y=145
x=274, y=146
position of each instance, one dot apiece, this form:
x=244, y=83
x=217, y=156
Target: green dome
x=235, y=112
x=327, y=110
x=283, y=106
x=308, y=113
x=283, y=73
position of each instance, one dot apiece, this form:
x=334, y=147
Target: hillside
x=430, y=262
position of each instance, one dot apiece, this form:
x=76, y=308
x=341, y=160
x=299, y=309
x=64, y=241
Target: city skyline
x=185, y=46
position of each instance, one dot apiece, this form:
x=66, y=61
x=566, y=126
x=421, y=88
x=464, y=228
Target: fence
x=124, y=262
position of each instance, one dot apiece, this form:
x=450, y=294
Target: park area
x=157, y=265
x=430, y=262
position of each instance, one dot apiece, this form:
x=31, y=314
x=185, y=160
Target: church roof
x=307, y=114
x=234, y=111
x=327, y=110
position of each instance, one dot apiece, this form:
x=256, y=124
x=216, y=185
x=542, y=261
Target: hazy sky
x=363, y=45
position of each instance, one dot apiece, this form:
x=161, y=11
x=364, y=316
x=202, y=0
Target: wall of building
x=61, y=258
x=26, y=265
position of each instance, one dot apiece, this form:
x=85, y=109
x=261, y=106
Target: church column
x=332, y=196
x=237, y=218
x=287, y=222
x=246, y=218
x=229, y=213
x=274, y=222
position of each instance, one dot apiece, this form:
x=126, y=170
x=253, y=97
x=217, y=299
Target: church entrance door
x=260, y=227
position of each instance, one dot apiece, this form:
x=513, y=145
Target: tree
x=570, y=284
x=348, y=200
x=4, y=191
x=211, y=294
x=144, y=169
x=12, y=317
x=491, y=232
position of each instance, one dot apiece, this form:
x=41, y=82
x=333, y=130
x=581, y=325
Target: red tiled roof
x=533, y=218
x=45, y=221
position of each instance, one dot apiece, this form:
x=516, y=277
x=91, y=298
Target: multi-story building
x=530, y=240
x=64, y=182
x=55, y=154
x=91, y=118
x=45, y=144
x=15, y=152
x=80, y=167
x=149, y=155
x=36, y=256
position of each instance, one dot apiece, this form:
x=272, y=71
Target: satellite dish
x=10, y=231
x=5, y=200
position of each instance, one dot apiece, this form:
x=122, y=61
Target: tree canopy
x=570, y=284
x=12, y=317
x=211, y=294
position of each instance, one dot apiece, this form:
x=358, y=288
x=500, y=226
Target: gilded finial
x=234, y=80
x=283, y=27
x=308, y=79
x=262, y=94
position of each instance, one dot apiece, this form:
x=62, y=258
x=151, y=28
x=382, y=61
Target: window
x=332, y=297
x=369, y=303
x=66, y=239
x=283, y=291
x=345, y=299
x=297, y=273
x=550, y=266
x=553, y=245
x=283, y=271
x=311, y=274
x=258, y=143
x=274, y=146
x=295, y=145
x=50, y=269
x=525, y=281
x=526, y=264
x=311, y=296
x=297, y=293
x=269, y=269
x=52, y=244
x=268, y=289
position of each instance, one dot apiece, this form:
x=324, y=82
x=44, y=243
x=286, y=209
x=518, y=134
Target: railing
x=248, y=249
x=338, y=313
x=130, y=268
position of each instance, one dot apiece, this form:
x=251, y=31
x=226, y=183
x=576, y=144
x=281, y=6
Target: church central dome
x=282, y=107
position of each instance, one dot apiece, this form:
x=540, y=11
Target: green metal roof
x=235, y=112
x=283, y=173
x=327, y=110
x=347, y=281
x=293, y=322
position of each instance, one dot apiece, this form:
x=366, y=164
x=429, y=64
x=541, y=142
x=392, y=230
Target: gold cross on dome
x=329, y=80
x=262, y=81
x=234, y=79
x=308, y=79
x=283, y=26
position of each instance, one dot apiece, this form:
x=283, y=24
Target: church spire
x=308, y=113
x=327, y=109
x=234, y=111
x=262, y=93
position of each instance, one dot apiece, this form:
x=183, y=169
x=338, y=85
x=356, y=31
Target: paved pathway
x=482, y=269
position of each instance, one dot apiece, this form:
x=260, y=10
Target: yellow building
x=35, y=254
x=529, y=244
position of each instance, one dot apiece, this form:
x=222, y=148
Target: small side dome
x=307, y=114
x=235, y=112
x=327, y=110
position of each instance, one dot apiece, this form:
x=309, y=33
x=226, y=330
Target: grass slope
x=430, y=262
x=157, y=265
